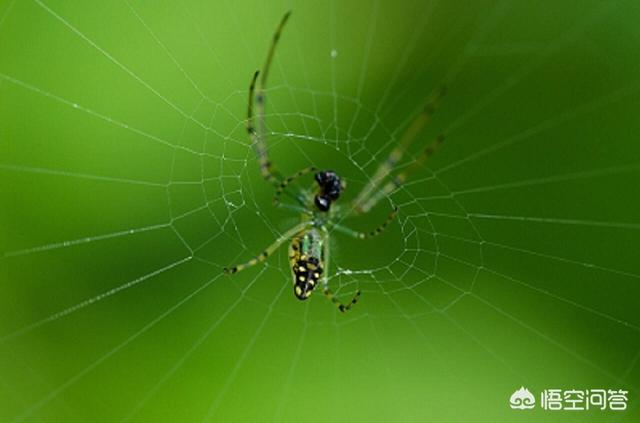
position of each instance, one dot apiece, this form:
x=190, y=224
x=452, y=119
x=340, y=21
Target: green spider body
x=306, y=256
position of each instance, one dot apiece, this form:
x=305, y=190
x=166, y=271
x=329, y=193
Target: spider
x=309, y=246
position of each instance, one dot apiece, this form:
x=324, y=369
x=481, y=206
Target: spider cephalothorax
x=309, y=247
x=330, y=188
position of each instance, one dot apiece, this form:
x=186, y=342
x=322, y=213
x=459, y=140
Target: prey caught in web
x=319, y=208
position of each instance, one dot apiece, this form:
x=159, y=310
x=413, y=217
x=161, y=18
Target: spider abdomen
x=306, y=256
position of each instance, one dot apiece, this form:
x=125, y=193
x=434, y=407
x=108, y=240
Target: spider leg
x=257, y=132
x=366, y=235
x=269, y=250
x=409, y=135
x=298, y=209
x=257, y=139
x=325, y=282
x=272, y=49
x=401, y=177
x=342, y=307
x=285, y=182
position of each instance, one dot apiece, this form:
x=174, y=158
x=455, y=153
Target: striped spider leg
x=371, y=194
x=257, y=131
x=325, y=281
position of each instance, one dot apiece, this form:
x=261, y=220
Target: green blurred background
x=127, y=183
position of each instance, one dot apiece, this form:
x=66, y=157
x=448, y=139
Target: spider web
x=130, y=184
